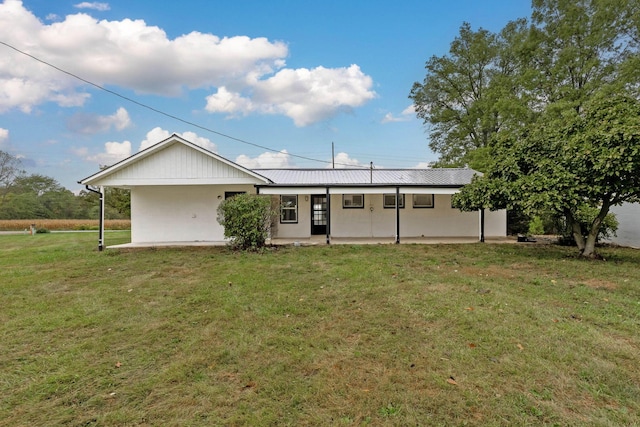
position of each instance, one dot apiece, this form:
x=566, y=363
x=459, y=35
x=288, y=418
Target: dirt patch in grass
x=598, y=283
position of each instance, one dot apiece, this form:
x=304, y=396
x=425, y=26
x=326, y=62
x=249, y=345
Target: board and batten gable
x=178, y=164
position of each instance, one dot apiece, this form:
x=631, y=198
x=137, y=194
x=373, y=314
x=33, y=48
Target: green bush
x=585, y=216
x=246, y=219
x=536, y=226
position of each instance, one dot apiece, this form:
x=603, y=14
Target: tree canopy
x=547, y=108
x=36, y=196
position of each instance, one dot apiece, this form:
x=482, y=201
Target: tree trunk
x=576, y=230
x=589, y=249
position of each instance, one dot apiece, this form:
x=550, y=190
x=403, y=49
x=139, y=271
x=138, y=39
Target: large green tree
x=565, y=162
x=570, y=54
x=470, y=94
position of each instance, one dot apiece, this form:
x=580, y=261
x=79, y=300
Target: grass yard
x=478, y=334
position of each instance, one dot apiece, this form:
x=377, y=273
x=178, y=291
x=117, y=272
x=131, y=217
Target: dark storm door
x=319, y=214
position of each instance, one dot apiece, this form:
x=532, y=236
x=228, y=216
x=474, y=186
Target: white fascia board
x=362, y=190
x=185, y=182
x=293, y=190
x=428, y=190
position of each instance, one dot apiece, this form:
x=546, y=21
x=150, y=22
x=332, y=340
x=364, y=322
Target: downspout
x=101, y=227
x=482, y=225
x=397, y=215
x=328, y=217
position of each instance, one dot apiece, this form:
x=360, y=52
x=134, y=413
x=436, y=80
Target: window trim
x=344, y=196
x=433, y=202
x=386, y=206
x=293, y=208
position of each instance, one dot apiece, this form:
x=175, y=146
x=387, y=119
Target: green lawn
x=476, y=334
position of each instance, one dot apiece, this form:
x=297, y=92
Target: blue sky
x=291, y=76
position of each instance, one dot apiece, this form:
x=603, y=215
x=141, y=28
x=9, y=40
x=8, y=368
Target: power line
x=155, y=110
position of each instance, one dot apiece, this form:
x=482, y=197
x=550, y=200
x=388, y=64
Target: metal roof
x=455, y=177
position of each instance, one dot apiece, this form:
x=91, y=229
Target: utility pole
x=333, y=156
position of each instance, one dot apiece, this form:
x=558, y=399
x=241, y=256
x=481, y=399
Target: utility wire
x=155, y=110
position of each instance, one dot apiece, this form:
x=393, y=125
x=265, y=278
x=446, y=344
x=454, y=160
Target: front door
x=319, y=214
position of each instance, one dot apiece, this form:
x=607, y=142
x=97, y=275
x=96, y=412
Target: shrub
x=536, y=226
x=246, y=219
x=586, y=216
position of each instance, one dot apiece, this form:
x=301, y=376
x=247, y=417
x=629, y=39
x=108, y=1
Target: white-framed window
x=423, y=200
x=389, y=200
x=289, y=209
x=353, y=201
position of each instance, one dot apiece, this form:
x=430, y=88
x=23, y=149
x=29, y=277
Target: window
x=389, y=200
x=230, y=194
x=423, y=200
x=288, y=209
x=351, y=201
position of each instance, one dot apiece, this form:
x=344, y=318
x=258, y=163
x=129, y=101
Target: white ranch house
x=177, y=186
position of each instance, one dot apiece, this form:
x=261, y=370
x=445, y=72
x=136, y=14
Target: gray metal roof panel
x=426, y=177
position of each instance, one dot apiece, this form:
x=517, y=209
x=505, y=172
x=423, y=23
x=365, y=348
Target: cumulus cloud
x=4, y=136
x=113, y=153
x=405, y=116
x=306, y=96
x=117, y=151
x=158, y=134
x=248, y=74
x=92, y=5
x=423, y=165
x=91, y=124
x=127, y=53
x=268, y=160
x=342, y=161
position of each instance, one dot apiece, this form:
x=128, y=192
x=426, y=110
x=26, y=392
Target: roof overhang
x=355, y=189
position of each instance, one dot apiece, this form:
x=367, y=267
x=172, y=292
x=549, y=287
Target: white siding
x=374, y=221
x=178, y=213
x=628, y=216
x=178, y=164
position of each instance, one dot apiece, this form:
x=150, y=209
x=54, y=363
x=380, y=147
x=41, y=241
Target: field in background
x=475, y=334
x=62, y=224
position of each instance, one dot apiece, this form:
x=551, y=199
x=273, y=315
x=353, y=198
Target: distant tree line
x=36, y=196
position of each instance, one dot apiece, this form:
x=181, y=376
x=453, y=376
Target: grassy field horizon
x=473, y=334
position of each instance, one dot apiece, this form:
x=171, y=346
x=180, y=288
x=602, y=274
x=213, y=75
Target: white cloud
x=268, y=160
x=117, y=151
x=158, y=134
x=342, y=161
x=91, y=123
x=405, y=116
x=248, y=74
x=306, y=96
x=4, y=136
x=92, y=5
x=423, y=165
x=127, y=53
x=113, y=153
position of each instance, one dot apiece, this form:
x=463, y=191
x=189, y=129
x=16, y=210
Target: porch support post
x=328, y=217
x=100, y=194
x=397, y=215
x=482, y=225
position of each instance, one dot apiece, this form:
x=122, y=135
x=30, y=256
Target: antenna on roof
x=370, y=172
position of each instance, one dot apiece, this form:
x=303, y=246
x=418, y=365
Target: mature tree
x=10, y=169
x=564, y=163
x=464, y=94
x=573, y=53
